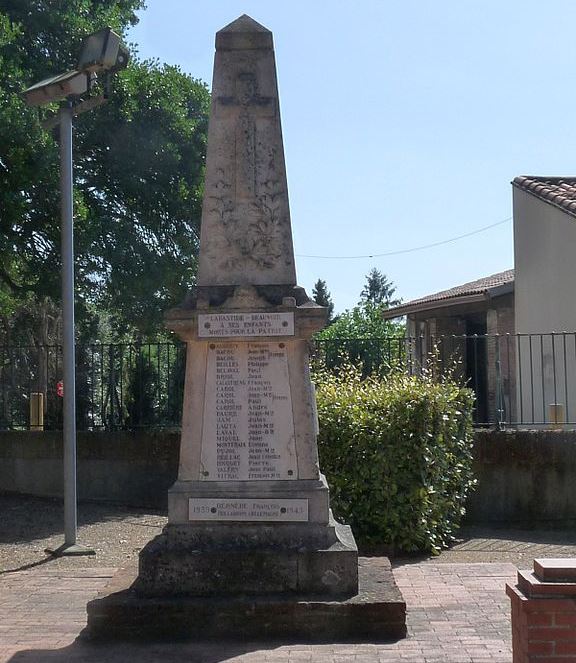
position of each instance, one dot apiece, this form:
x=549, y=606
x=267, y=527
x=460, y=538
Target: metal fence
x=526, y=380
x=118, y=386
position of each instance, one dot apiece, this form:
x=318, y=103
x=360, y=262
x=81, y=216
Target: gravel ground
x=29, y=525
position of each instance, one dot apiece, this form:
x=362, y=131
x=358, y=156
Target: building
x=545, y=304
x=514, y=333
x=459, y=327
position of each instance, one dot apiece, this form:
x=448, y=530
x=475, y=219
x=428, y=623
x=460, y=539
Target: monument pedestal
x=299, y=550
x=376, y=613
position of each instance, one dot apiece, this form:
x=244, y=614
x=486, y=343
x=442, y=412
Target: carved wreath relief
x=251, y=208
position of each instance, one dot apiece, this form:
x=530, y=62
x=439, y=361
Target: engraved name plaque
x=226, y=325
x=248, y=432
x=283, y=510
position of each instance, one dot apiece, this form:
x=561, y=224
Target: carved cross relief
x=246, y=107
x=250, y=198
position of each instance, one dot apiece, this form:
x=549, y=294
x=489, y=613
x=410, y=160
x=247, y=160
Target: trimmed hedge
x=397, y=454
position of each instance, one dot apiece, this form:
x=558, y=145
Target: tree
x=362, y=336
x=143, y=170
x=321, y=295
x=378, y=290
x=139, y=165
x=364, y=321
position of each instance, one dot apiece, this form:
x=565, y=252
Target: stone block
x=277, y=560
x=376, y=613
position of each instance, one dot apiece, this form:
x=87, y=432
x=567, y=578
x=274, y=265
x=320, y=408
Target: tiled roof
x=558, y=191
x=480, y=287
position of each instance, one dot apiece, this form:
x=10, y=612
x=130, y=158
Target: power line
x=416, y=248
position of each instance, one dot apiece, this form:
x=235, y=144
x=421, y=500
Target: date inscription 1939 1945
x=287, y=510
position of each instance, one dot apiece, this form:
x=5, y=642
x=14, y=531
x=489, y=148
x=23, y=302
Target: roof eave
x=400, y=311
x=536, y=195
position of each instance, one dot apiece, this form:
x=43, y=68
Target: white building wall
x=545, y=307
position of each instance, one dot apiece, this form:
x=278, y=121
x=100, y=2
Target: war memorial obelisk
x=251, y=548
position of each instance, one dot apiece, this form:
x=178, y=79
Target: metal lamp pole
x=67, y=239
x=70, y=547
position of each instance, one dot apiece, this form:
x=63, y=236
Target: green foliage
x=142, y=390
x=154, y=376
x=142, y=169
x=138, y=171
x=321, y=295
x=378, y=290
x=397, y=454
x=363, y=338
x=363, y=321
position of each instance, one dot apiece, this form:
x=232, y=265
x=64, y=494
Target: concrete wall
x=134, y=468
x=545, y=273
x=525, y=477
x=545, y=269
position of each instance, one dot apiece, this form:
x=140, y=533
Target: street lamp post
x=102, y=52
x=68, y=342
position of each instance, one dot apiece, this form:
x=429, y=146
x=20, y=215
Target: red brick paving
x=457, y=613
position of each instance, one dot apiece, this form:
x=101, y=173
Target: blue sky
x=403, y=122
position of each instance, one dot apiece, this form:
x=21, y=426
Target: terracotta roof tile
x=473, y=288
x=478, y=287
x=558, y=191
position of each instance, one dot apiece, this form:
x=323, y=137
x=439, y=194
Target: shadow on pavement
x=31, y=565
x=143, y=652
x=26, y=518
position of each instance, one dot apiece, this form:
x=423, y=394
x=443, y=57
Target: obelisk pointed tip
x=244, y=23
x=242, y=34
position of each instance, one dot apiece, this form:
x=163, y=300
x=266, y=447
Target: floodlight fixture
x=103, y=51
x=71, y=84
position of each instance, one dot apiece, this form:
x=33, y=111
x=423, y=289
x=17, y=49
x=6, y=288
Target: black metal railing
x=118, y=386
x=519, y=380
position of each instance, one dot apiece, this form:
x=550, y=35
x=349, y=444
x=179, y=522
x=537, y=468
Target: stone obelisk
x=250, y=510
x=251, y=549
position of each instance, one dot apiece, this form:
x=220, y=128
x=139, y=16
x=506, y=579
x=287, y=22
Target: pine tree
x=321, y=295
x=378, y=290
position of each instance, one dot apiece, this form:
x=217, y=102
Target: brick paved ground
x=457, y=609
x=457, y=613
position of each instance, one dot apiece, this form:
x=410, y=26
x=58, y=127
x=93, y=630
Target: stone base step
x=377, y=613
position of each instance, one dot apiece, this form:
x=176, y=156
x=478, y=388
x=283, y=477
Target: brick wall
x=544, y=612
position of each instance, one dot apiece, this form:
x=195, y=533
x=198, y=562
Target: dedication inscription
x=248, y=432
x=223, y=325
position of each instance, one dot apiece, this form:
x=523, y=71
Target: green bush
x=397, y=454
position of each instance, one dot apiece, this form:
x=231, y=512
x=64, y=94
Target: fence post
x=37, y=411
x=499, y=388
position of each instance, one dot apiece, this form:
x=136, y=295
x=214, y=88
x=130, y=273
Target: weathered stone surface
x=246, y=236
x=375, y=613
x=247, y=423
x=314, y=491
x=289, y=404
x=269, y=563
